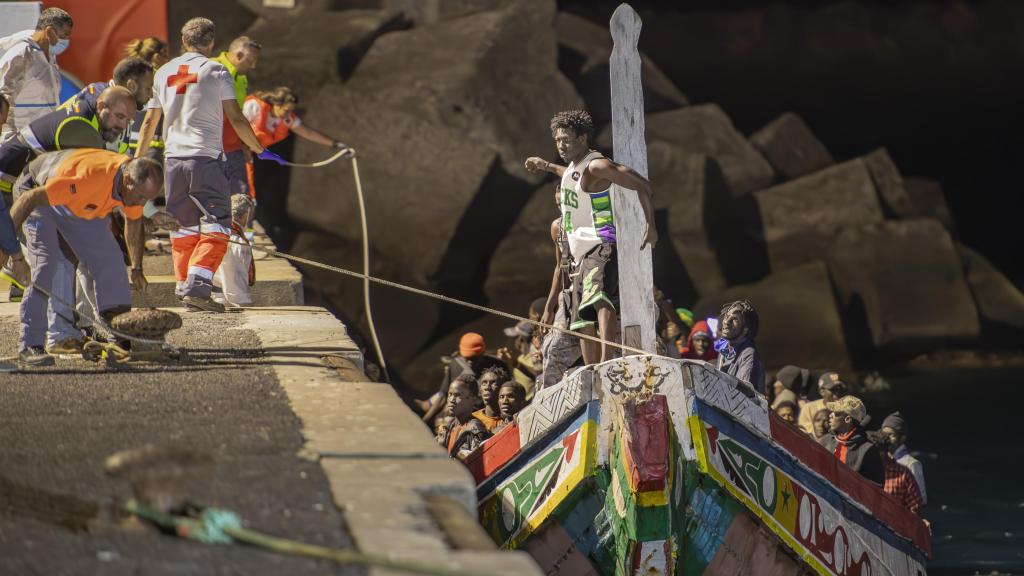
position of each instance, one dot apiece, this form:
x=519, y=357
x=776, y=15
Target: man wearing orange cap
x=471, y=358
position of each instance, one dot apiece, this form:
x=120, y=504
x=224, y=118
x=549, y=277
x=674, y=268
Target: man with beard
x=586, y=206
x=466, y=433
x=737, y=354
x=132, y=73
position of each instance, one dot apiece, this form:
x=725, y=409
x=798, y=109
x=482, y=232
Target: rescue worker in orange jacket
x=272, y=116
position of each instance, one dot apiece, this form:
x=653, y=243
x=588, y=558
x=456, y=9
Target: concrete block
x=790, y=147
x=906, y=282
x=889, y=184
x=706, y=129
x=999, y=302
x=801, y=216
x=927, y=200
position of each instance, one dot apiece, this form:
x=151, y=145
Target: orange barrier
x=102, y=28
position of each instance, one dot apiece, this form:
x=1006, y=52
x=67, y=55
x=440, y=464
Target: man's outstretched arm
x=626, y=177
x=535, y=164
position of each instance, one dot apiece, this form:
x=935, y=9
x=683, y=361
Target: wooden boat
x=647, y=465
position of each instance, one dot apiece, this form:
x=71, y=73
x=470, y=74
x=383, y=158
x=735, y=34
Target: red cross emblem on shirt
x=182, y=79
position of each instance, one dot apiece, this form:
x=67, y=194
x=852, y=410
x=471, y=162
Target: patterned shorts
x=596, y=280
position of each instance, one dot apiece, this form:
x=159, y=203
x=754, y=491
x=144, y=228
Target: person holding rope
x=193, y=94
x=589, y=225
x=272, y=116
x=71, y=194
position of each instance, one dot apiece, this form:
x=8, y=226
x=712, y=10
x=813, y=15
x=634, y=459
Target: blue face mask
x=60, y=46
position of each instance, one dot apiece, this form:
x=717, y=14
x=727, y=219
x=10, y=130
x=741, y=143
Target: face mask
x=60, y=46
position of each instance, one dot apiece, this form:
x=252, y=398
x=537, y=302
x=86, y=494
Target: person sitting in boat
x=848, y=440
x=511, y=399
x=698, y=344
x=894, y=427
x=785, y=405
x=831, y=388
x=466, y=433
x=737, y=354
x=470, y=358
x=489, y=382
x=272, y=116
x=899, y=480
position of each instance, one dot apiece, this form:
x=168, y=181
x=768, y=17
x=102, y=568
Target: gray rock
x=585, y=49
x=999, y=301
x=799, y=317
x=928, y=201
x=521, y=267
x=432, y=122
x=889, y=183
x=800, y=217
x=432, y=11
x=906, y=280
x=691, y=189
x=790, y=147
x=705, y=129
x=306, y=50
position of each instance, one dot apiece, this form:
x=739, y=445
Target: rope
x=322, y=163
x=366, y=269
x=222, y=526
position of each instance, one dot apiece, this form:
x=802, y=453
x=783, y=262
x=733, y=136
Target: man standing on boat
x=588, y=222
x=848, y=440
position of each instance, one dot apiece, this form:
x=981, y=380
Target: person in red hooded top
x=272, y=117
x=698, y=345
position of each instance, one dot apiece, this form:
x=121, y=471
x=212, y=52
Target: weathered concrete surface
x=790, y=147
x=800, y=217
x=799, y=317
x=378, y=457
x=224, y=402
x=706, y=129
x=927, y=200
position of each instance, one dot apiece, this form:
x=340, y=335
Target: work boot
x=198, y=304
x=35, y=356
x=67, y=347
x=14, y=294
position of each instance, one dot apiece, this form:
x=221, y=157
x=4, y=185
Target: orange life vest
x=259, y=126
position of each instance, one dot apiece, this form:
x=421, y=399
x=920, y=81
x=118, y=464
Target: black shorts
x=596, y=280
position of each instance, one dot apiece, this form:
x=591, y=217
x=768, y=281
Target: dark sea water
x=967, y=428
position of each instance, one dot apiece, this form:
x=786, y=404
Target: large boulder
x=306, y=50
x=584, y=50
x=799, y=317
x=521, y=267
x=693, y=193
x=999, y=302
x=801, y=216
x=889, y=184
x=441, y=127
x=927, y=200
x=705, y=129
x=903, y=282
x=790, y=147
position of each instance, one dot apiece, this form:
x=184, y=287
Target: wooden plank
x=636, y=278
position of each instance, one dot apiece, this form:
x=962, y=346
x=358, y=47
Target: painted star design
x=785, y=498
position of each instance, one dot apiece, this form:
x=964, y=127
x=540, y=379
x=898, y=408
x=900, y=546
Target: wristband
x=137, y=269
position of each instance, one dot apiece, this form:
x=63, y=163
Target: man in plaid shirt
x=899, y=481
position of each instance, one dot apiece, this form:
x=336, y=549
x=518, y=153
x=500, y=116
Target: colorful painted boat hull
x=646, y=465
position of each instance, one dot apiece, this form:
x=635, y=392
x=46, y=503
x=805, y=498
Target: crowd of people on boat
x=480, y=392
x=74, y=174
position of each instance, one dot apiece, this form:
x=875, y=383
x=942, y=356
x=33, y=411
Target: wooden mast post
x=636, y=277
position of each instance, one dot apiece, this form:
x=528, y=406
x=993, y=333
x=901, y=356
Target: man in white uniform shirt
x=29, y=76
x=194, y=95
